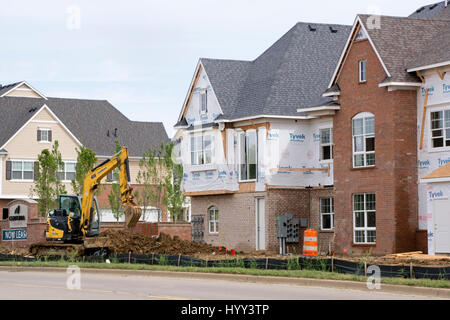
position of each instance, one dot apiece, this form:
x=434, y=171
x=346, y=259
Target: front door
x=441, y=219
x=260, y=225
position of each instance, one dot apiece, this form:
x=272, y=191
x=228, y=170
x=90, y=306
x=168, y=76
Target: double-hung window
x=327, y=213
x=201, y=149
x=362, y=71
x=364, y=218
x=44, y=135
x=248, y=155
x=440, y=129
x=326, y=144
x=213, y=213
x=67, y=171
x=22, y=170
x=364, y=140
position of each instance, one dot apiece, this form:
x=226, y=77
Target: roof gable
x=395, y=42
x=291, y=74
x=91, y=122
x=20, y=89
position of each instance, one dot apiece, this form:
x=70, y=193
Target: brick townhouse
x=376, y=155
x=249, y=156
x=354, y=174
x=32, y=122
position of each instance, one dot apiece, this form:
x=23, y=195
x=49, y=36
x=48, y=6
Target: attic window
x=433, y=6
x=204, y=102
x=362, y=71
x=311, y=28
x=44, y=135
x=361, y=35
x=333, y=30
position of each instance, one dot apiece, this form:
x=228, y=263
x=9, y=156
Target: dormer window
x=204, y=101
x=44, y=135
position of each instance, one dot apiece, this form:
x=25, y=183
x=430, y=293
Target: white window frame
x=363, y=116
x=46, y=130
x=365, y=211
x=65, y=171
x=246, y=134
x=331, y=213
x=362, y=66
x=22, y=170
x=203, y=95
x=329, y=144
x=193, y=149
x=214, y=222
x=444, y=129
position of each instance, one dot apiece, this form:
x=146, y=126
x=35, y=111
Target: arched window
x=364, y=140
x=213, y=214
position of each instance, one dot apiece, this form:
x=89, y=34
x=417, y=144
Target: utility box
x=282, y=225
x=293, y=234
x=288, y=228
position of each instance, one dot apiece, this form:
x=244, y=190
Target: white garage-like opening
x=438, y=208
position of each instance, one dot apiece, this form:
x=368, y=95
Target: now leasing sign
x=14, y=235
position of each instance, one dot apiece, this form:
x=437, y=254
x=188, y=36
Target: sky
x=140, y=55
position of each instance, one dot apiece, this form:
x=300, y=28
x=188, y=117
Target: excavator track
x=52, y=249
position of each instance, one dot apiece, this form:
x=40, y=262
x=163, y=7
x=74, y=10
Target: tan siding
x=23, y=93
x=25, y=146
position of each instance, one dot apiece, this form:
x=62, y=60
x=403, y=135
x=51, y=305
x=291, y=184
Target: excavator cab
x=64, y=222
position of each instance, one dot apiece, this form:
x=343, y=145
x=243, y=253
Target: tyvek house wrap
x=287, y=145
x=430, y=159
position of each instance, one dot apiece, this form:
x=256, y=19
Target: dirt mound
x=122, y=241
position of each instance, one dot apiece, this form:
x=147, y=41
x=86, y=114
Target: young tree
x=86, y=160
x=174, y=197
x=114, y=196
x=47, y=185
x=59, y=187
x=150, y=178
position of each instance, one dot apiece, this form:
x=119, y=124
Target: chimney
x=446, y=3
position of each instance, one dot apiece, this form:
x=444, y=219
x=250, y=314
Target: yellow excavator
x=75, y=225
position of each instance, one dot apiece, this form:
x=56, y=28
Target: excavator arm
x=91, y=182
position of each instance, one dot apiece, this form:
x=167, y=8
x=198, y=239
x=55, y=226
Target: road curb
x=337, y=284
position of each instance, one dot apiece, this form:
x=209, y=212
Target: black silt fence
x=294, y=263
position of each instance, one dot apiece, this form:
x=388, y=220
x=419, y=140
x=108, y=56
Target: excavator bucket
x=132, y=215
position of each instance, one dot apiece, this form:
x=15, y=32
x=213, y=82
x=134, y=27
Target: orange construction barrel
x=310, y=244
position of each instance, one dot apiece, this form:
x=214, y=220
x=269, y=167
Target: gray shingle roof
x=6, y=88
x=431, y=11
x=399, y=40
x=436, y=51
x=293, y=73
x=88, y=120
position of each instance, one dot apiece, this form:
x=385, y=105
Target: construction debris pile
x=121, y=241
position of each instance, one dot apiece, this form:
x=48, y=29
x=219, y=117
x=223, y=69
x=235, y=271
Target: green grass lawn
x=311, y=274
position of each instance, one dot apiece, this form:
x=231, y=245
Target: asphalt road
x=57, y=285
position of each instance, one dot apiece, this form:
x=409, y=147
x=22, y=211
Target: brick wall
x=237, y=220
x=179, y=229
x=237, y=217
x=35, y=225
x=394, y=177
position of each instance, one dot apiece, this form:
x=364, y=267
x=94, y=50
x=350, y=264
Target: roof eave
x=431, y=66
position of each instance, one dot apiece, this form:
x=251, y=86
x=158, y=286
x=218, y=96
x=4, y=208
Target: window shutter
x=50, y=135
x=8, y=170
x=36, y=170
x=39, y=135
